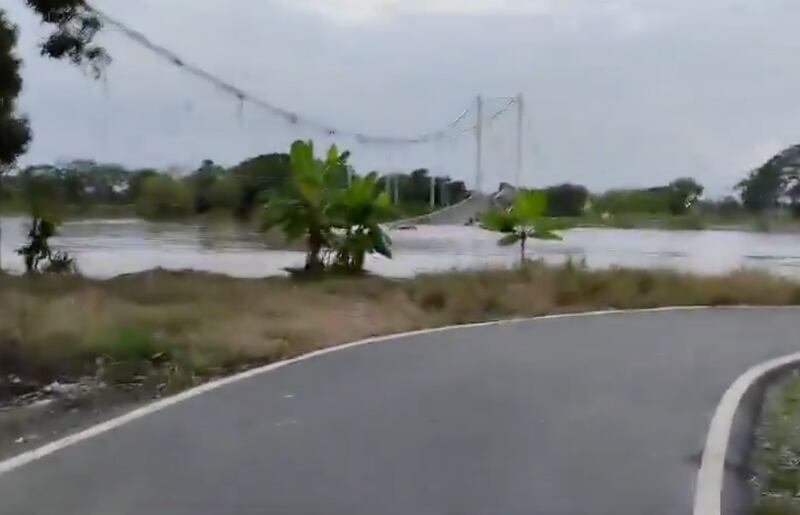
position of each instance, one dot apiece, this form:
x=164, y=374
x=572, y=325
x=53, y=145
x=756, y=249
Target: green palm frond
x=525, y=220
x=510, y=239
x=530, y=206
x=544, y=235
x=499, y=221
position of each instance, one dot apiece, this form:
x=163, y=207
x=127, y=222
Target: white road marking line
x=711, y=476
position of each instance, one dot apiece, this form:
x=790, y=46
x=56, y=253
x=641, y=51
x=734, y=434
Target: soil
x=40, y=417
x=34, y=412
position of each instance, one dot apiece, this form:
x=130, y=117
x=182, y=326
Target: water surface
x=105, y=248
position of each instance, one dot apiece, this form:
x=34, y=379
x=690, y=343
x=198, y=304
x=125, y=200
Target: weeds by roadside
x=207, y=325
x=777, y=451
x=130, y=339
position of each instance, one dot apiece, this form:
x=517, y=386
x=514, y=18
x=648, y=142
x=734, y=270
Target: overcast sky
x=618, y=92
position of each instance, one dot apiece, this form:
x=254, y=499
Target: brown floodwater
x=106, y=248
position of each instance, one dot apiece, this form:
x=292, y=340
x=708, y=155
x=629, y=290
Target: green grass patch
x=777, y=453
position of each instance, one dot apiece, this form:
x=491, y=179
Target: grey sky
x=619, y=92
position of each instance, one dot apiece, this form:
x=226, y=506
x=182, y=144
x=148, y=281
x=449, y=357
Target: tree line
x=771, y=188
x=83, y=186
x=775, y=185
x=574, y=200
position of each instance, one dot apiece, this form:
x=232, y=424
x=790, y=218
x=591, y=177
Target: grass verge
x=56, y=328
x=777, y=451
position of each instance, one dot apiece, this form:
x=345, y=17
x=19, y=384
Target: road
x=592, y=415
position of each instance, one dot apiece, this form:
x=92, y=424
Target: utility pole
x=520, y=117
x=433, y=192
x=3, y=170
x=479, y=147
x=396, y=189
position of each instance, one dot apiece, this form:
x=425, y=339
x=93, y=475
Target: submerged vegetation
x=37, y=254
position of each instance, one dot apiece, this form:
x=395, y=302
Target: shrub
x=162, y=196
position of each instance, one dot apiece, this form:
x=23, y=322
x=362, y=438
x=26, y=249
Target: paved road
x=599, y=415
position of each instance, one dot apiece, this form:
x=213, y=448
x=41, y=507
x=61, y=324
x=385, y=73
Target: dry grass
x=202, y=324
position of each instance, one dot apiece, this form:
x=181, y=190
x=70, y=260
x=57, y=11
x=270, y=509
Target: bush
x=162, y=196
x=60, y=263
x=223, y=194
x=566, y=200
x=37, y=254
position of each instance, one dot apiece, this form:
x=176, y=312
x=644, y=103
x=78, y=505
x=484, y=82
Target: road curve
x=587, y=415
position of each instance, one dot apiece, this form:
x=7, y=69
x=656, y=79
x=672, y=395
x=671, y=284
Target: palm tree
x=357, y=213
x=522, y=221
x=303, y=213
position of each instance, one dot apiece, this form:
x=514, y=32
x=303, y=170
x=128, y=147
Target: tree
x=203, y=181
x=524, y=220
x=456, y=191
x=75, y=27
x=793, y=193
x=37, y=250
x=416, y=187
x=763, y=188
x=727, y=207
x=224, y=193
x=259, y=179
x=304, y=210
x=104, y=183
x=649, y=201
x=135, y=181
x=683, y=193
x=162, y=196
x=38, y=255
x=357, y=213
x=14, y=130
x=566, y=200
x=42, y=193
x=341, y=172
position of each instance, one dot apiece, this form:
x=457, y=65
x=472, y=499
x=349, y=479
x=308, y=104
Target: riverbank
x=68, y=213
x=74, y=350
x=777, y=450
x=693, y=222
x=72, y=212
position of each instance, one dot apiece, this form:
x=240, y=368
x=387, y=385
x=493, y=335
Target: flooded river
x=105, y=248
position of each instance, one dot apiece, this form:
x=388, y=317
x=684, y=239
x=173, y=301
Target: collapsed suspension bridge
x=444, y=150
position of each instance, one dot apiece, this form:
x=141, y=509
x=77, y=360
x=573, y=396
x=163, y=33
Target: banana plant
x=304, y=211
x=357, y=212
x=523, y=221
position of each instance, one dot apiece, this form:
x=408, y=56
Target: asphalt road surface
x=596, y=415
